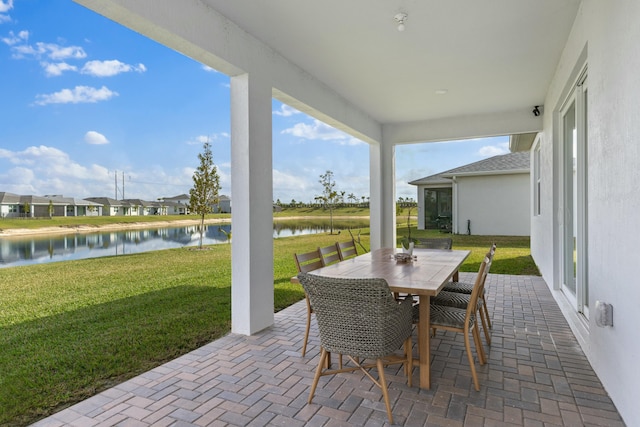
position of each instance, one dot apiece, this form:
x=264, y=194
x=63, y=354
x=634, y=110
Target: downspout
x=454, y=213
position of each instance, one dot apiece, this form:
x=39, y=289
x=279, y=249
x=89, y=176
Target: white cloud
x=57, y=52
x=209, y=69
x=77, y=95
x=110, y=68
x=56, y=69
x=494, y=150
x=321, y=131
x=13, y=39
x=5, y=6
x=94, y=138
x=293, y=185
x=50, y=50
x=286, y=111
x=201, y=139
x=42, y=170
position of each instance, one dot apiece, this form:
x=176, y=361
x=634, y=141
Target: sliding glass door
x=574, y=165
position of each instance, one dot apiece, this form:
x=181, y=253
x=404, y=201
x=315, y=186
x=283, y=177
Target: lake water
x=53, y=248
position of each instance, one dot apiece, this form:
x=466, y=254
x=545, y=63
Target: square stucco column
x=382, y=206
x=252, y=212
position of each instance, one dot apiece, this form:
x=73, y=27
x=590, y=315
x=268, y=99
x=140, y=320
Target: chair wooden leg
x=482, y=359
x=316, y=378
x=486, y=311
x=383, y=386
x=474, y=375
x=482, y=314
x=306, y=332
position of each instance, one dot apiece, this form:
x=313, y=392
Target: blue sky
x=82, y=97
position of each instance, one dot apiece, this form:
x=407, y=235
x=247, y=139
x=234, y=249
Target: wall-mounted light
x=400, y=18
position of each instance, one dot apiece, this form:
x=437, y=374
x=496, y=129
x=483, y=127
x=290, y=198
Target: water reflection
x=43, y=249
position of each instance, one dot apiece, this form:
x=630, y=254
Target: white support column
x=421, y=208
x=382, y=204
x=252, y=214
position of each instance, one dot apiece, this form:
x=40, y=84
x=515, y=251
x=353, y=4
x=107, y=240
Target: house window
x=537, y=187
x=13, y=208
x=437, y=208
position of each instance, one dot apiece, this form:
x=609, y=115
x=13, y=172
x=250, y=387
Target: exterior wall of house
x=605, y=37
x=495, y=205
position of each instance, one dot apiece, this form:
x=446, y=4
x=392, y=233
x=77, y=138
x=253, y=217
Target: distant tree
x=206, y=187
x=329, y=195
x=27, y=209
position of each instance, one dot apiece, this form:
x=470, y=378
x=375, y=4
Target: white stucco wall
x=495, y=204
x=608, y=32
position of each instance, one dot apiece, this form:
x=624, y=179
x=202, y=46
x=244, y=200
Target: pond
x=40, y=249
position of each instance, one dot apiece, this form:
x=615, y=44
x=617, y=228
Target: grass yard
x=74, y=328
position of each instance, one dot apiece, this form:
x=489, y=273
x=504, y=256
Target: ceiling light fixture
x=400, y=18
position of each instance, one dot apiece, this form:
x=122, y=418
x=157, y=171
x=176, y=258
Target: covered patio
x=537, y=375
x=559, y=73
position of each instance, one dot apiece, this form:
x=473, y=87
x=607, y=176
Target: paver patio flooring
x=537, y=375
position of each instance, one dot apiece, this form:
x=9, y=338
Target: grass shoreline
x=10, y=227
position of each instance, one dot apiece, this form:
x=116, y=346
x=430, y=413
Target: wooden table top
x=425, y=275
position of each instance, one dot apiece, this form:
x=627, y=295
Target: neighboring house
x=488, y=197
x=9, y=205
x=141, y=207
x=112, y=207
x=177, y=205
x=29, y=206
x=223, y=205
x=72, y=207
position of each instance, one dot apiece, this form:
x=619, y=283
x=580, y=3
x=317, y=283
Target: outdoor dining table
x=425, y=275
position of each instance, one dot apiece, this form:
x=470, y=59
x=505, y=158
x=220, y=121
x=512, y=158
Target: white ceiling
x=491, y=56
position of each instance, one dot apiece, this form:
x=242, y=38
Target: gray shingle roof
x=512, y=162
x=9, y=198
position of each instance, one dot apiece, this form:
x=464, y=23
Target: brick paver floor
x=537, y=375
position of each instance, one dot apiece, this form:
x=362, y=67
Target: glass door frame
x=574, y=199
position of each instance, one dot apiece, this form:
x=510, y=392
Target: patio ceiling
x=491, y=56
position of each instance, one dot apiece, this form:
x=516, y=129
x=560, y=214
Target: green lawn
x=74, y=328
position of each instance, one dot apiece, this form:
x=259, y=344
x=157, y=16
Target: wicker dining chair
x=462, y=300
x=464, y=321
x=359, y=318
x=329, y=254
x=347, y=249
x=467, y=288
x=434, y=243
x=305, y=262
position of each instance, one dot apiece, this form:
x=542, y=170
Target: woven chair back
x=357, y=317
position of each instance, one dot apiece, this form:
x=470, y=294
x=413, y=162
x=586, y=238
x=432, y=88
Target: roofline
x=486, y=173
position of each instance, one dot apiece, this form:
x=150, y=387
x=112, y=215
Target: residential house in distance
x=139, y=207
x=30, y=206
x=112, y=207
x=488, y=197
x=176, y=205
x=223, y=205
